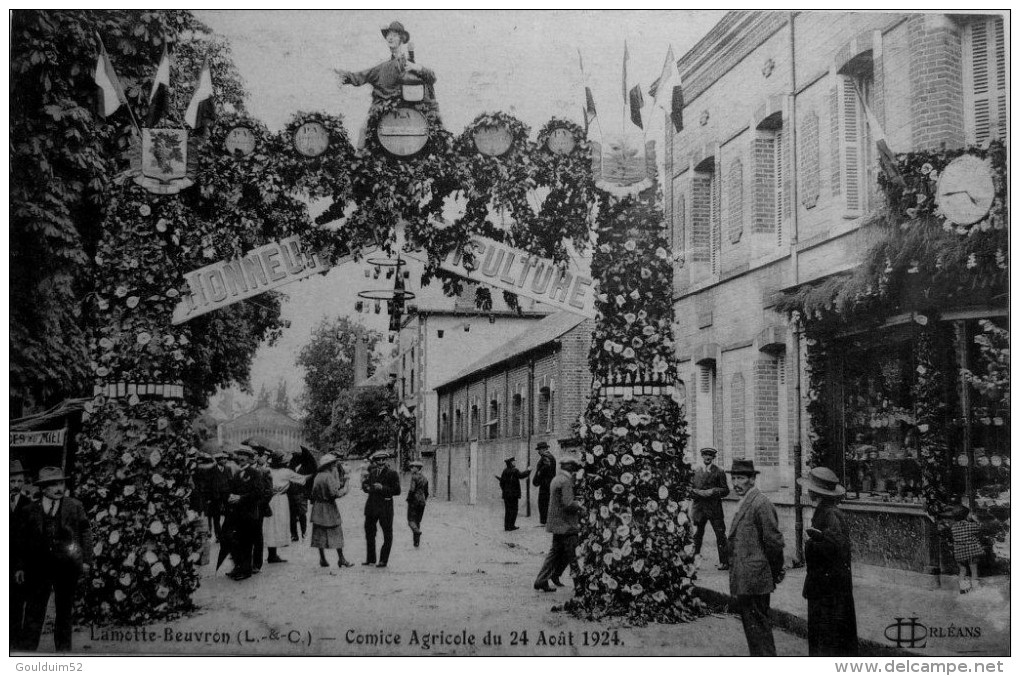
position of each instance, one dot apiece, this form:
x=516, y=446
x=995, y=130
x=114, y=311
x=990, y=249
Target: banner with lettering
x=38, y=438
x=564, y=287
x=263, y=269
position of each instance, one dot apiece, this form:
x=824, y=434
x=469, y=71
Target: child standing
x=966, y=546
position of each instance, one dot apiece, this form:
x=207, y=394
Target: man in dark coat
x=545, y=470
x=756, y=557
x=19, y=501
x=249, y=489
x=297, y=494
x=510, y=486
x=417, y=496
x=382, y=483
x=828, y=585
x=708, y=488
x=55, y=550
x=563, y=523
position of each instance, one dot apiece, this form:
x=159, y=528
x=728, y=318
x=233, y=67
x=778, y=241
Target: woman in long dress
x=276, y=528
x=327, y=527
x=828, y=585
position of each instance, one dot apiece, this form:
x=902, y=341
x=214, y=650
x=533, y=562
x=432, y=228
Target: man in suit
x=55, y=550
x=708, y=487
x=545, y=470
x=248, y=489
x=382, y=483
x=756, y=556
x=19, y=501
x=417, y=496
x=563, y=523
x=510, y=487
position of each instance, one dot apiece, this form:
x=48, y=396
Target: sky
x=523, y=62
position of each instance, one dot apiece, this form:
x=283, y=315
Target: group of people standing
x=262, y=497
x=752, y=552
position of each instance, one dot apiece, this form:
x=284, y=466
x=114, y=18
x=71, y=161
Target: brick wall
x=701, y=218
x=764, y=197
x=766, y=412
x=936, y=82
x=737, y=421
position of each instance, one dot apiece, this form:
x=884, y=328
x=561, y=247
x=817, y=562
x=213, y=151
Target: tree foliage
x=328, y=363
x=363, y=421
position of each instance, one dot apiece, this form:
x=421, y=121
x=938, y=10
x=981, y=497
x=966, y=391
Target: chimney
x=360, y=360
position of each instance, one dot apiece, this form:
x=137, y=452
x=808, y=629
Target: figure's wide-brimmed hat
x=416, y=463
x=708, y=450
x=745, y=467
x=510, y=460
x=541, y=445
x=570, y=461
x=823, y=481
x=16, y=468
x=50, y=475
x=327, y=459
x=260, y=443
x=379, y=455
x=244, y=451
x=399, y=28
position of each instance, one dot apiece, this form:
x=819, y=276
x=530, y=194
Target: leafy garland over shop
x=920, y=263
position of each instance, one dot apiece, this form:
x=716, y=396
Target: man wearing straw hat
x=55, y=549
x=756, y=558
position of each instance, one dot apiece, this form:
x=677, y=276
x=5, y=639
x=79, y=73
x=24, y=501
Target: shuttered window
x=716, y=220
x=679, y=229
x=781, y=205
x=984, y=72
x=853, y=161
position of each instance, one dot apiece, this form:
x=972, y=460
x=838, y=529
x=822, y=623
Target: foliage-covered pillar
x=636, y=552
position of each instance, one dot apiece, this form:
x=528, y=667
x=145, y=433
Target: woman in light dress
x=276, y=528
x=327, y=528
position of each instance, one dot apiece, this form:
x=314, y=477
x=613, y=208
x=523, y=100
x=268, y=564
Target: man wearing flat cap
x=387, y=77
x=708, y=488
x=382, y=483
x=510, y=486
x=545, y=470
x=756, y=558
x=56, y=549
x=563, y=523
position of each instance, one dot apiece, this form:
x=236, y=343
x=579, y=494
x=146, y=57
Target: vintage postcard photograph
x=516, y=333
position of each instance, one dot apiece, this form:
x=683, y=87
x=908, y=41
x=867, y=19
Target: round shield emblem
x=240, y=141
x=493, y=141
x=403, y=132
x=311, y=139
x=561, y=141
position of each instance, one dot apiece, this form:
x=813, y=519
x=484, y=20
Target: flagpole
x=127, y=104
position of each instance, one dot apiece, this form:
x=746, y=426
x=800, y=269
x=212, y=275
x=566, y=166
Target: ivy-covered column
x=636, y=552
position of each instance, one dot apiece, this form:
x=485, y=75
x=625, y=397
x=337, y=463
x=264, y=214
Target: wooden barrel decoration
x=240, y=141
x=493, y=141
x=403, y=132
x=311, y=139
x=561, y=141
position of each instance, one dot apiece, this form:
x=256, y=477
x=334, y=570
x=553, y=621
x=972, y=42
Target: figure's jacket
x=68, y=543
x=827, y=556
x=564, y=510
x=756, y=546
x=713, y=479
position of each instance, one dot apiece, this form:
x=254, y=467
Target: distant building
x=531, y=388
x=267, y=422
x=435, y=342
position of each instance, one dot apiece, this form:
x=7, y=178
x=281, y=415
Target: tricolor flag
x=626, y=57
x=588, y=111
x=886, y=157
x=201, y=110
x=668, y=85
x=159, y=96
x=637, y=102
x=110, y=93
x=663, y=83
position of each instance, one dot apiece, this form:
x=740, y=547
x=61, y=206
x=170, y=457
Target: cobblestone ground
x=469, y=580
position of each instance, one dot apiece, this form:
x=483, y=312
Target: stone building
x=532, y=388
x=768, y=187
